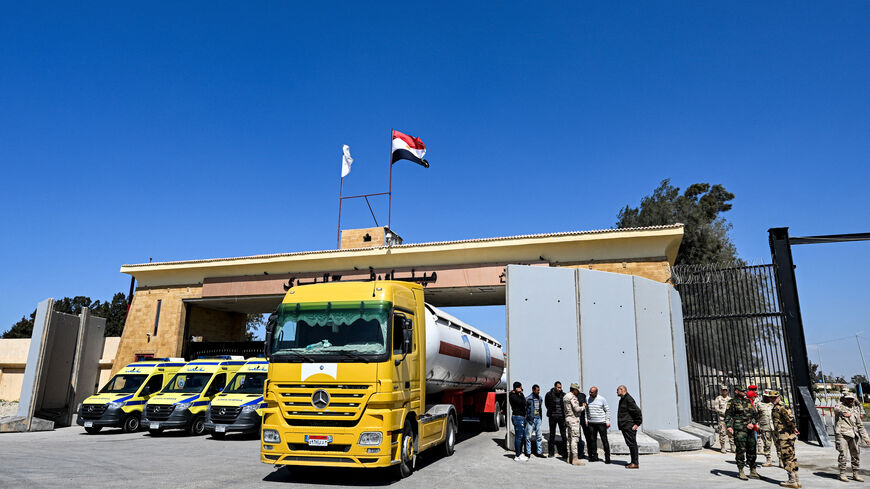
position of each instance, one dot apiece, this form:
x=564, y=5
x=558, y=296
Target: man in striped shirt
x=598, y=421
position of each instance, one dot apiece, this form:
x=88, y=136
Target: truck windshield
x=124, y=383
x=334, y=331
x=187, y=383
x=246, y=383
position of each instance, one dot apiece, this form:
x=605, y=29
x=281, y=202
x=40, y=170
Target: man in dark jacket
x=581, y=446
x=628, y=419
x=556, y=416
x=518, y=419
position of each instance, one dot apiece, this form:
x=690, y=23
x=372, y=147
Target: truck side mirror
x=407, y=337
x=270, y=331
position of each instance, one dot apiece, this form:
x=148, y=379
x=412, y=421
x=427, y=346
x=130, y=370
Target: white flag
x=346, y=160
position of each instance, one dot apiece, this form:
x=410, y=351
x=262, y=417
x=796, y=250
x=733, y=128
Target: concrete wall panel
x=541, y=327
x=608, y=347
x=681, y=363
x=657, y=394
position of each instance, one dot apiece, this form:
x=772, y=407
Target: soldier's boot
x=791, y=482
x=768, y=463
x=753, y=473
x=843, y=476
x=742, y=476
x=577, y=461
x=857, y=476
x=797, y=480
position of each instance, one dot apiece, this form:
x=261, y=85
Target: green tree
x=705, y=236
x=114, y=311
x=858, y=379
x=254, y=322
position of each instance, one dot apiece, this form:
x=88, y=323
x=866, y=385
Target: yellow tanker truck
x=366, y=374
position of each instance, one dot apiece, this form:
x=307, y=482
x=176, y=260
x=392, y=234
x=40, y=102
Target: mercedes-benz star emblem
x=320, y=399
x=222, y=411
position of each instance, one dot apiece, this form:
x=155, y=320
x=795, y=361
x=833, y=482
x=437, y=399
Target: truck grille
x=158, y=412
x=93, y=411
x=303, y=447
x=225, y=414
x=346, y=403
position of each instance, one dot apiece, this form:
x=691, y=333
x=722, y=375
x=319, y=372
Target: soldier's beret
x=723, y=387
x=771, y=393
x=739, y=388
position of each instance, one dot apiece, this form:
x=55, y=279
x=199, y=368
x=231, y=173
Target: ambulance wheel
x=155, y=432
x=197, y=426
x=407, y=452
x=131, y=424
x=94, y=430
x=218, y=436
x=449, y=445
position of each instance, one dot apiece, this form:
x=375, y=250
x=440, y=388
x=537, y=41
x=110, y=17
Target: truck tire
x=197, y=426
x=131, y=424
x=449, y=445
x=93, y=430
x=491, y=421
x=407, y=452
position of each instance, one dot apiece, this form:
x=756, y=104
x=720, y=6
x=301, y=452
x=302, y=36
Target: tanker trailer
x=365, y=374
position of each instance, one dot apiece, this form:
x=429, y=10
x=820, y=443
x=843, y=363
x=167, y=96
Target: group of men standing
x=744, y=422
x=573, y=413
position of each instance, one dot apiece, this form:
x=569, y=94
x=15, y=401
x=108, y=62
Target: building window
x=144, y=356
x=157, y=316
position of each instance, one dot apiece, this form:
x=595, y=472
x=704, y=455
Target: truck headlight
x=369, y=438
x=271, y=436
x=182, y=406
x=116, y=405
x=251, y=408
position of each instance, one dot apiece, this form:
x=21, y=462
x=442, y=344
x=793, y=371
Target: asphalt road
x=70, y=458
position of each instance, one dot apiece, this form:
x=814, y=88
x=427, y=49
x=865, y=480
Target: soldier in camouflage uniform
x=741, y=419
x=720, y=404
x=848, y=427
x=765, y=425
x=573, y=409
x=785, y=431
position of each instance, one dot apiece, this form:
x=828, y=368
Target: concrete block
x=645, y=444
x=18, y=424
x=706, y=434
x=675, y=440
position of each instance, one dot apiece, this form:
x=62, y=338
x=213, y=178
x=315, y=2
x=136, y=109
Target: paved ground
x=70, y=458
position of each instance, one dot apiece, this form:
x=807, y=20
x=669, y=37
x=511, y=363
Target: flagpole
x=390, y=191
x=340, y=190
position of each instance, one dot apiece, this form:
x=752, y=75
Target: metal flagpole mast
x=866, y=375
x=340, y=189
x=390, y=190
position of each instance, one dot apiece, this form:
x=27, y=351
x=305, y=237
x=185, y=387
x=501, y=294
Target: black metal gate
x=246, y=349
x=734, y=333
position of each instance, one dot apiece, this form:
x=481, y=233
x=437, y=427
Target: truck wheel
x=131, y=424
x=197, y=426
x=94, y=430
x=408, y=455
x=449, y=445
x=491, y=420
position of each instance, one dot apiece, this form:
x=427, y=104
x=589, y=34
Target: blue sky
x=205, y=129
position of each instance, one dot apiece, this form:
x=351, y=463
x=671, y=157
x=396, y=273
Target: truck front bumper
x=176, y=420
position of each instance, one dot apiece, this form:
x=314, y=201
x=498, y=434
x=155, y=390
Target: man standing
x=752, y=393
x=785, y=431
x=556, y=416
x=628, y=419
x=534, y=405
x=584, y=430
x=848, y=428
x=573, y=409
x=598, y=420
x=765, y=424
x=518, y=419
x=741, y=418
x=720, y=405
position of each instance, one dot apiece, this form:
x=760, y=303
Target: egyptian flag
x=407, y=148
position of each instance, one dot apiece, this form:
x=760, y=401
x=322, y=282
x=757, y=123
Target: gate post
x=783, y=265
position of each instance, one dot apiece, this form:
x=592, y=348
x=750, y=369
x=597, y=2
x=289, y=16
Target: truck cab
x=347, y=379
x=182, y=402
x=120, y=402
x=238, y=408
